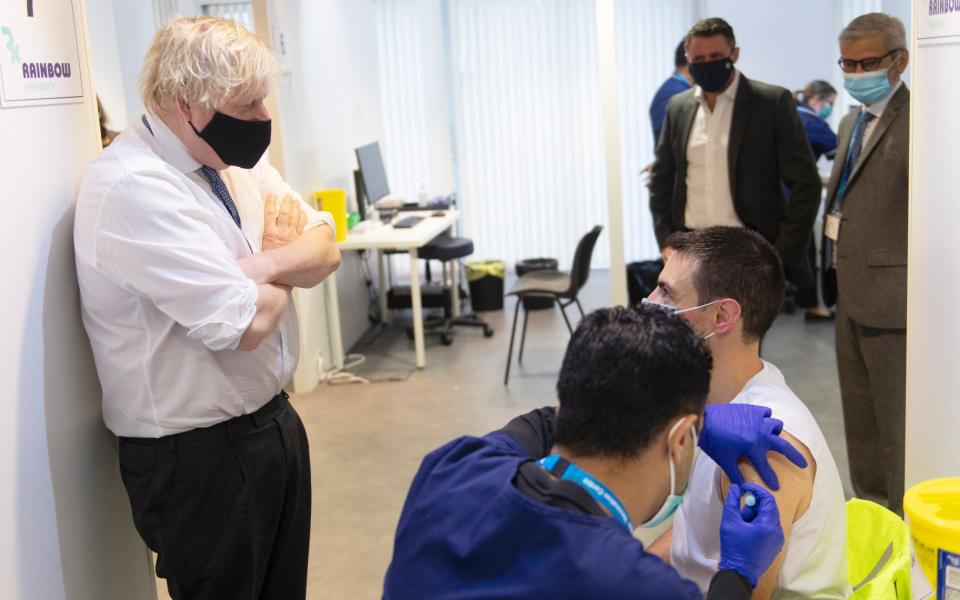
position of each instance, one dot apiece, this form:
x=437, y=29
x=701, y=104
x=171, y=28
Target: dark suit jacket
x=767, y=150
x=871, y=275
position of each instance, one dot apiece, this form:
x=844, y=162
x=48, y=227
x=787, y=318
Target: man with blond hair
x=187, y=246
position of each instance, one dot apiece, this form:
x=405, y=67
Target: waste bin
x=486, y=284
x=536, y=264
x=933, y=513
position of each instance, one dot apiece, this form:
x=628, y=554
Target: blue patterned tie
x=853, y=155
x=220, y=189
x=865, y=118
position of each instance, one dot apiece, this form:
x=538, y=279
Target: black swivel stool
x=449, y=249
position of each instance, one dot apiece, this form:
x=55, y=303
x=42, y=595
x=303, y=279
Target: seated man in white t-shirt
x=728, y=283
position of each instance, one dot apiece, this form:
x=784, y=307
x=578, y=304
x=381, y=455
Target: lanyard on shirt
x=566, y=470
x=679, y=77
x=835, y=207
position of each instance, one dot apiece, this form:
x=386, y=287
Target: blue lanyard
x=564, y=469
x=679, y=77
x=837, y=203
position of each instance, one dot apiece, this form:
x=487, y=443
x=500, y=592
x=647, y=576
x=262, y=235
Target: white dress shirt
x=709, y=198
x=163, y=298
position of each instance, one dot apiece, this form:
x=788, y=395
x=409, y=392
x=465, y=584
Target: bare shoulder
x=796, y=484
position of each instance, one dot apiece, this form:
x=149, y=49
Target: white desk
x=387, y=238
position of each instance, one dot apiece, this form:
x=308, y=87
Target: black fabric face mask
x=237, y=142
x=713, y=75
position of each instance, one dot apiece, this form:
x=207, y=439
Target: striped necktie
x=221, y=191
x=864, y=120
x=853, y=154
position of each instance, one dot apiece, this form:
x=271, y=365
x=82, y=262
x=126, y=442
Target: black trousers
x=226, y=508
x=807, y=283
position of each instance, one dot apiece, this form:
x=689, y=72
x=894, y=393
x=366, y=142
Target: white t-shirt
x=815, y=564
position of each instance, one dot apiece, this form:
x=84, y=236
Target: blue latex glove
x=734, y=430
x=749, y=539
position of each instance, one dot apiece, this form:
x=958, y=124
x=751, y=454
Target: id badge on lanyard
x=831, y=225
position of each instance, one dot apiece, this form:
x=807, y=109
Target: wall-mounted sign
x=937, y=19
x=39, y=53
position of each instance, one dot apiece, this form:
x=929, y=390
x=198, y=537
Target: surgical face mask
x=713, y=75
x=826, y=111
x=674, y=500
x=237, y=142
x=870, y=87
x=673, y=310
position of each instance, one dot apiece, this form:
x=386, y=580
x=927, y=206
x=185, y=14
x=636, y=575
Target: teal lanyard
x=847, y=170
x=566, y=470
x=679, y=77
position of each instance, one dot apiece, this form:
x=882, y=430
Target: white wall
x=120, y=33
x=933, y=290
x=330, y=105
x=68, y=532
x=105, y=62
x=783, y=43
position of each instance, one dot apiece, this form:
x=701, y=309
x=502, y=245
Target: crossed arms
x=291, y=257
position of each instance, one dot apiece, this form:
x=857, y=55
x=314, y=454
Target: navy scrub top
x=822, y=139
x=658, y=107
x=470, y=530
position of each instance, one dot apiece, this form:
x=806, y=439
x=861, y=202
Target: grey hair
x=207, y=61
x=872, y=24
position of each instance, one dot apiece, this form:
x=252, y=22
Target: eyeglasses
x=869, y=64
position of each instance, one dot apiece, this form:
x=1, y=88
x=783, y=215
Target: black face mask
x=713, y=75
x=237, y=142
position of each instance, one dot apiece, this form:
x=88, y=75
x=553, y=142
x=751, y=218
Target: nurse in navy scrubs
x=815, y=105
x=546, y=506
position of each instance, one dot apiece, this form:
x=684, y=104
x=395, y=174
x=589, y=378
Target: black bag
x=642, y=279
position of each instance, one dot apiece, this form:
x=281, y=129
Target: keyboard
x=407, y=222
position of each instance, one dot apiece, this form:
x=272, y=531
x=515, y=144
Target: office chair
x=450, y=249
x=563, y=287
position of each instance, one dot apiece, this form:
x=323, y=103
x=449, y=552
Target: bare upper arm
x=793, y=500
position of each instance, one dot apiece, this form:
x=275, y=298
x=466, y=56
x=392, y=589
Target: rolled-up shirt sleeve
x=152, y=242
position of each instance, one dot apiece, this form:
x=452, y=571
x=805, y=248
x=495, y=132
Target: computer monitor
x=372, y=173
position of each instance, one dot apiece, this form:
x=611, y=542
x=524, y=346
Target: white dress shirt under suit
x=709, y=198
x=164, y=300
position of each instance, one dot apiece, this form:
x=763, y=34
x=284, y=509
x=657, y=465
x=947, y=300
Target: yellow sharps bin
x=334, y=201
x=933, y=513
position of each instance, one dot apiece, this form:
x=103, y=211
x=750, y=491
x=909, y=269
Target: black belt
x=230, y=428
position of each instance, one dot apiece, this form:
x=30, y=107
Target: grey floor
x=367, y=440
